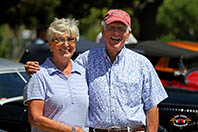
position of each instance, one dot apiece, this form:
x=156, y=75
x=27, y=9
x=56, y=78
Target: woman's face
x=63, y=46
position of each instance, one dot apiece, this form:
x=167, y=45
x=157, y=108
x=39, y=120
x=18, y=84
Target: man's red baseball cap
x=117, y=15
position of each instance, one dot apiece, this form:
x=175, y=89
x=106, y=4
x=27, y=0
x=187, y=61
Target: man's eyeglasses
x=116, y=29
x=63, y=40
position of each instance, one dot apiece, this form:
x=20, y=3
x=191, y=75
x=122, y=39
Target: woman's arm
x=36, y=118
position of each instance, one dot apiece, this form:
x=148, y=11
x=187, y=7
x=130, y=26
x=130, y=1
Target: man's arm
x=31, y=67
x=152, y=119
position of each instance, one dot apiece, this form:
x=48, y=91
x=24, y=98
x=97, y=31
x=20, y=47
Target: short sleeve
x=34, y=89
x=153, y=90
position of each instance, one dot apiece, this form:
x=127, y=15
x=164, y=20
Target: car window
x=11, y=85
x=25, y=75
x=191, y=62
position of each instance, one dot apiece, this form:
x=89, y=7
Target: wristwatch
x=73, y=129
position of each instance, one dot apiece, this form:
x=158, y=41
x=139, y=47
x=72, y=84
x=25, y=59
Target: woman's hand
x=78, y=129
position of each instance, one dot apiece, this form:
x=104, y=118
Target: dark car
x=179, y=112
x=177, y=68
x=13, y=114
x=185, y=44
x=39, y=52
x=83, y=45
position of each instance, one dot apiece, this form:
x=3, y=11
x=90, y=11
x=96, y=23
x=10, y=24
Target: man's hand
x=31, y=67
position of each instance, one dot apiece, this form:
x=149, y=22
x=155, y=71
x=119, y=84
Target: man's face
x=115, y=35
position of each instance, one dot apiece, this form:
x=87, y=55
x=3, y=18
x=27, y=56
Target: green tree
x=178, y=20
x=91, y=12
x=28, y=12
x=18, y=15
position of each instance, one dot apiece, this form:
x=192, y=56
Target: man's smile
x=115, y=39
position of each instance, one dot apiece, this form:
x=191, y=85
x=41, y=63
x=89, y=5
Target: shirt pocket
x=130, y=90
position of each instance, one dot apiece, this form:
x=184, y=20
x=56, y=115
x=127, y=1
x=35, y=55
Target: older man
x=124, y=88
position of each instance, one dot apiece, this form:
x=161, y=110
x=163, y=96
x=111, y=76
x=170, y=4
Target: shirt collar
x=118, y=57
x=51, y=68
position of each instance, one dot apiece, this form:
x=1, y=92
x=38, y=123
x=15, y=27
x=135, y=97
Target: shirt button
x=103, y=109
x=113, y=97
x=113, y=110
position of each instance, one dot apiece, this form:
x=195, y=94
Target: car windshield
x=25, y=76
x=11, y=84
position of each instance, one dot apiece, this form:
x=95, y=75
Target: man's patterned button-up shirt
x=121, y=92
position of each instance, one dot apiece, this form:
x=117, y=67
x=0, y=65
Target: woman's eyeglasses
x=69, y=40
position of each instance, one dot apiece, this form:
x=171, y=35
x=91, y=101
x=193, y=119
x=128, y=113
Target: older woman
x=57, y=95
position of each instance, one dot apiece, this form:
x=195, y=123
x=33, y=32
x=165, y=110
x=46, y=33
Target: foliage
x=91, y=25
x=177, y=20
x=4, y=47
x=18, y=15
x=28, y=12
x=11, y=42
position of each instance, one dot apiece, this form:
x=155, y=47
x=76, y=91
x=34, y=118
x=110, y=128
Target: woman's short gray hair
x=105, y=25
x=63, y=26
